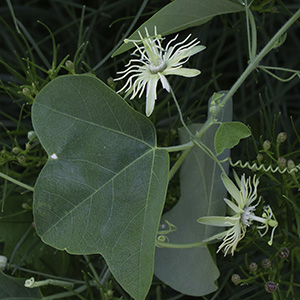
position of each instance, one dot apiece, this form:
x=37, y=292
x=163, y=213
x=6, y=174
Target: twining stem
x=17, y=182
x=254, y=63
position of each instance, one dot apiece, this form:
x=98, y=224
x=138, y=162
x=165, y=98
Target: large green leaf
x=103, y=187
x=182, y=14
x=193, y=271
x=13, y=289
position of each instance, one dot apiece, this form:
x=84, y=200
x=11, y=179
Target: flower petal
x=185, y=72
x=193, y=51
x=219, y=221
x=235, y=208
x=233, y=190
x=164, y=82
x=151, y=95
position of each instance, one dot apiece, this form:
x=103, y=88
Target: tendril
x=262, y=167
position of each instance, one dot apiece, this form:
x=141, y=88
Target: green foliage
x=182, y=14
x=106, y=185
x=229, y=135
x=80, y=207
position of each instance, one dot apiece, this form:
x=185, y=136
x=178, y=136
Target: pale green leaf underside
x=13, y=289
x=182, y=14
x=193, y=271
x=229, y=135
x=105, y=191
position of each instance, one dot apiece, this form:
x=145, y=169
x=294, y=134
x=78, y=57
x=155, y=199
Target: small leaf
x=182, y=14
x=103, y=188
x=229, y=135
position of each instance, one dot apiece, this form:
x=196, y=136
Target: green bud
x=16, y=150
x=69, y=64
x=266, y=145
x=26, y=91
x=235, y=278
x=26, y=206
x=213, y=110
x=253, y=267
x=281, y=162
x=21, y=159
x=290, y=164
x=281, y=137
x=31, y=134
x=259, y=157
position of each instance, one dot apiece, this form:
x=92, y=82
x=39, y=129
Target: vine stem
x=253, y=64
x=17, y=182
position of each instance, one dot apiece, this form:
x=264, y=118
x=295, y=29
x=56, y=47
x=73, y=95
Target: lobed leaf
x=103, y=187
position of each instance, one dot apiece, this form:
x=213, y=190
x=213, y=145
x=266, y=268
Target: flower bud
x=16, y=150
x=69, y=64
x=270, y=287
x=235, y=278
x=26, y=206
x=290, y=165
x=281, y=162
x=266, y=263
x=284, y=252
x=259, y=157
x=253, y=267
x=3, y=262
x=266, y=145
x=31, y=135
x=26, y=91
x=281, y=137
x=21, y=159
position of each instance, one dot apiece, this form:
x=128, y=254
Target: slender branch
x=253, y=64
x=17, y=182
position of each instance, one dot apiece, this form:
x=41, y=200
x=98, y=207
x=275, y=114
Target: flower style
x=243, y=214
x=155, y=63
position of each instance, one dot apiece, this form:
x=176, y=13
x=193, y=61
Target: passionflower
x=242, y=206
x=154, y=63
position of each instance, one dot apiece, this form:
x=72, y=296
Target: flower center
x=158, y=66
x=247, y=215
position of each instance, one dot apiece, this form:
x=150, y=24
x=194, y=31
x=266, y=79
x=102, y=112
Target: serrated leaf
x=103, y=187
x=12, y=288
x=229, y=135
x=193, y=271
x=182, y=14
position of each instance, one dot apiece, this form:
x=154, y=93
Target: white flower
x=155, y=63
x=243, y=214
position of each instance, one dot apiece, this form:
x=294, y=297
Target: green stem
x=17, y=182
x=179, y=147
x=179, y=161
x=65, y=294
x=253, y=64
x=179, y=246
